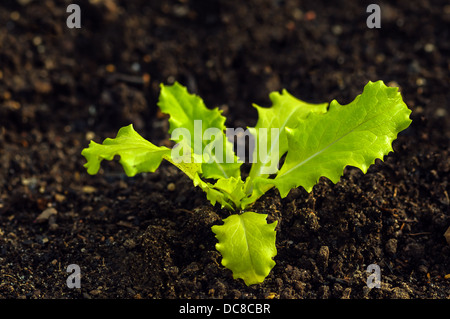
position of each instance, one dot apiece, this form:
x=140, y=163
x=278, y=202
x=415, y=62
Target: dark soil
x=137, y=237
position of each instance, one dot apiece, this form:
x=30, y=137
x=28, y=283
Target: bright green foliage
x=316, y=139
x=226, y=191
x=137, y=155
x=184, y=109
x=247, y=245
x=286, y=111
x=322, y=144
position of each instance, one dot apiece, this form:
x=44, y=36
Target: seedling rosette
x=317, y=140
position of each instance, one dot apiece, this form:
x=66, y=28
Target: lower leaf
x=247, y=245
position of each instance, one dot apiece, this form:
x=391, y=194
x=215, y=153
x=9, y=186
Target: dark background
x=133, y=237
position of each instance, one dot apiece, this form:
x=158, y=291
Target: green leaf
x=228, y=192
x=137, y=155
x=286, y=111
x=247, y=245
x=355, y=134
x=188, y=112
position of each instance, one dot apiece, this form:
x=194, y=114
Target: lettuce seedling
x=316, y=139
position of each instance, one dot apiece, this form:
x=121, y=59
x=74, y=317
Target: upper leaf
x=137, y=155
x=188, y=112
x=286, y=111
x=247, y=245
x=355, y=134
x=270, y=134
x=317, y=142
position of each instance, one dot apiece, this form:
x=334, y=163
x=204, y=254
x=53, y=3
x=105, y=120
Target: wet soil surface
x=150, y=236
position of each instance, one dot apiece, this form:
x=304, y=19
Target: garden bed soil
x=150, y=236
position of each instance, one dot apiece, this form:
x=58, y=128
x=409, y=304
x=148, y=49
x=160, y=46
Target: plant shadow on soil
x=141, y=238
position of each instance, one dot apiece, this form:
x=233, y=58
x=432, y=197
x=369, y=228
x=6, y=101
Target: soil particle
x=323, y=255
x=447, y=235
x=391, y=246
